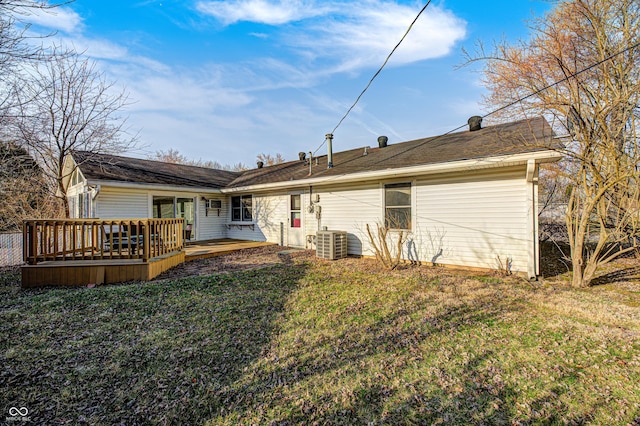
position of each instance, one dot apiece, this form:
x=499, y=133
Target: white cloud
x=177, y=92
x=261, y=11
x=58, y=19
x=366, y=35
x=346, y=36
x=226, y=111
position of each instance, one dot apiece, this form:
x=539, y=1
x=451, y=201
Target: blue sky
x=226, y=80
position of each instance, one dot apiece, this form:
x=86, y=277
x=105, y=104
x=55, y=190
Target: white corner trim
x=531, y=169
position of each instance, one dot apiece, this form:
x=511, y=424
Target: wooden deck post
x=146, y=239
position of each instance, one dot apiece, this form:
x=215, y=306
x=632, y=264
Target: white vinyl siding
x=117, y=203
x=350, y=209
x=268, y=212
x=471, y=219
x=479, y=220
x=466, y=220
x=210, y=225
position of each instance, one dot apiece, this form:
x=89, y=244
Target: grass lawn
x=314, y=342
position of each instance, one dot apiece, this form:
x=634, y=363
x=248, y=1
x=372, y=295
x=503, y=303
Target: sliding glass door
x=169, y=207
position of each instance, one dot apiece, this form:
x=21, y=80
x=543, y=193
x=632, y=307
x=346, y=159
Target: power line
x=566, y=78
x=562, y=80
x=376, y=73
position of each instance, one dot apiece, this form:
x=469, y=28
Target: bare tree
x=389, y=237
x=174, y=156
x=69, y=105
x=581, y=67
x=23, y=189
x=270, y=160
x=16, y=48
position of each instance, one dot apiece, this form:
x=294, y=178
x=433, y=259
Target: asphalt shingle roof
x=511, y=138
x=503, y=139
x=126, y=169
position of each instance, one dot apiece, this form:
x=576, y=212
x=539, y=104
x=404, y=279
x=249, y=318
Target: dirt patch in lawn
x=243, y=260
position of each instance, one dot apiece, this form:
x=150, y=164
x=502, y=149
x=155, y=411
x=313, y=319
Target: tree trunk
x=63, y=197
x=577, y=263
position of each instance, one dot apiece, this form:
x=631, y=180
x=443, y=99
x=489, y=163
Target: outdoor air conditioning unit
x=214, y=204
x=331, y=244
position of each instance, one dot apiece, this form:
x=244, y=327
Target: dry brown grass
x=308, y=341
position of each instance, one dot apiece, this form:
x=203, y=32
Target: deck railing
x=93, y=239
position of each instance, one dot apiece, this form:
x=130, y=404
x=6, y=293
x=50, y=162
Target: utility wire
x=566, y=78
x=517, y=101
x=562, y=80
x=377, y=72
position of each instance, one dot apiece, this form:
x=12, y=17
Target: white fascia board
x=151, y=186
x=546, y=156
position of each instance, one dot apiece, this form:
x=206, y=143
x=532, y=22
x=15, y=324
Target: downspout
x=533, y=269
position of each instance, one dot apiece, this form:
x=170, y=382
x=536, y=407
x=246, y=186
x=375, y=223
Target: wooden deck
x=105, y=271
x=83, y=272
x=213, y=248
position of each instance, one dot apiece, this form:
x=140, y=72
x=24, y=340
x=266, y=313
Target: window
x=76, y=177
x=80, y=205
x=241, y=208
x=296, y=214
x=83, y=205
x=397, y=206
x=163, y=207
x=170, y=207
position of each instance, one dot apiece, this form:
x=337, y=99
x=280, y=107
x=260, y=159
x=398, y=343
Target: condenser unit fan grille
x=331, y=245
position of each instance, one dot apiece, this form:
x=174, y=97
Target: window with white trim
x=397, y=205
x=242, y=208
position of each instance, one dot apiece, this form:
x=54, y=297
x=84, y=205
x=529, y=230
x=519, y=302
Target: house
x=467, y=198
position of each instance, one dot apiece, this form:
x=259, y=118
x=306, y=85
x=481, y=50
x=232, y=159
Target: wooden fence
x=92, y=239
x=10, y=249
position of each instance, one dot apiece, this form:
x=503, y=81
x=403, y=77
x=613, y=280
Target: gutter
x=154, y=186
x=538, y=157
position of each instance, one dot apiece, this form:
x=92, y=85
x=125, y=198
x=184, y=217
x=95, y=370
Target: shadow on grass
x=391, y=371
x=620, y=275
x=554, y=259
x=137, y=353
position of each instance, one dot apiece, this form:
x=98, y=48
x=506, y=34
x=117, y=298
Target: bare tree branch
x=69, y=105
x=590, y=48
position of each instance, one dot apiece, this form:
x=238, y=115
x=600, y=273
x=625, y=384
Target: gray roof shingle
x=107, y=167
x=511, y=138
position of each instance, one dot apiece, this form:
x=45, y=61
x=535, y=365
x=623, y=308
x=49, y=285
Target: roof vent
x=382, y=141
x=475, y=123
x=260, y=164
x=366, y=150
x=302, y=156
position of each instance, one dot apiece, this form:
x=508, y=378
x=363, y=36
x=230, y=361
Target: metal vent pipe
x=329, y=138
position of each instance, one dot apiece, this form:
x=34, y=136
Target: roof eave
x=154, y=186
x=545, y=156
